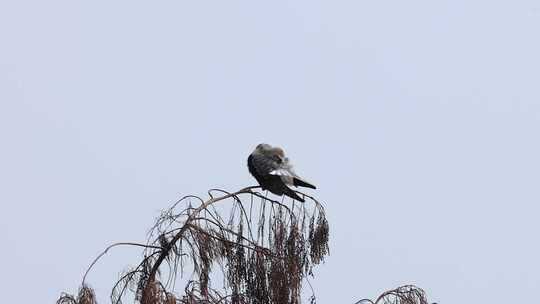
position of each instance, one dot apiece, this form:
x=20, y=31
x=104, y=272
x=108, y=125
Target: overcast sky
x=418, y=121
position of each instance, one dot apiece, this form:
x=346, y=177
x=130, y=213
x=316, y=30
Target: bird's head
x=263, y=148
x=269, y=151
x=279, y=152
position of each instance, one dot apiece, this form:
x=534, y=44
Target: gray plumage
x=274, y=172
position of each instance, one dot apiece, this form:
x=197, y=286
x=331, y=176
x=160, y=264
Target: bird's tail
x=298, y=182
x=290, y=193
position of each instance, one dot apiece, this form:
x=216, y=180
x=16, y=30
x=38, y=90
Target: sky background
x=418, y=121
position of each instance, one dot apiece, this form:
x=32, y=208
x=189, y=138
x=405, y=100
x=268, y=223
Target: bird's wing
x=264, y=165
x=289, y=177
x=285, y=172
x=298, y=182
x=282, y=172
x=273, y=174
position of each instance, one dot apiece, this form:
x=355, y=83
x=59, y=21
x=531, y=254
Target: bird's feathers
x=274, y=172
x=289, y=177
x=301, y=183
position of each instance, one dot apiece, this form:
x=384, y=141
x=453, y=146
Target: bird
x=274, y=172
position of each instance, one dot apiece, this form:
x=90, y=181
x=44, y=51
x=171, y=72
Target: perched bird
x=273, y=171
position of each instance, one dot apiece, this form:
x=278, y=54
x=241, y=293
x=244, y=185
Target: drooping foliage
x=241, y=247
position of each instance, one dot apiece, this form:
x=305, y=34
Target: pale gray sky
x=418, y=120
